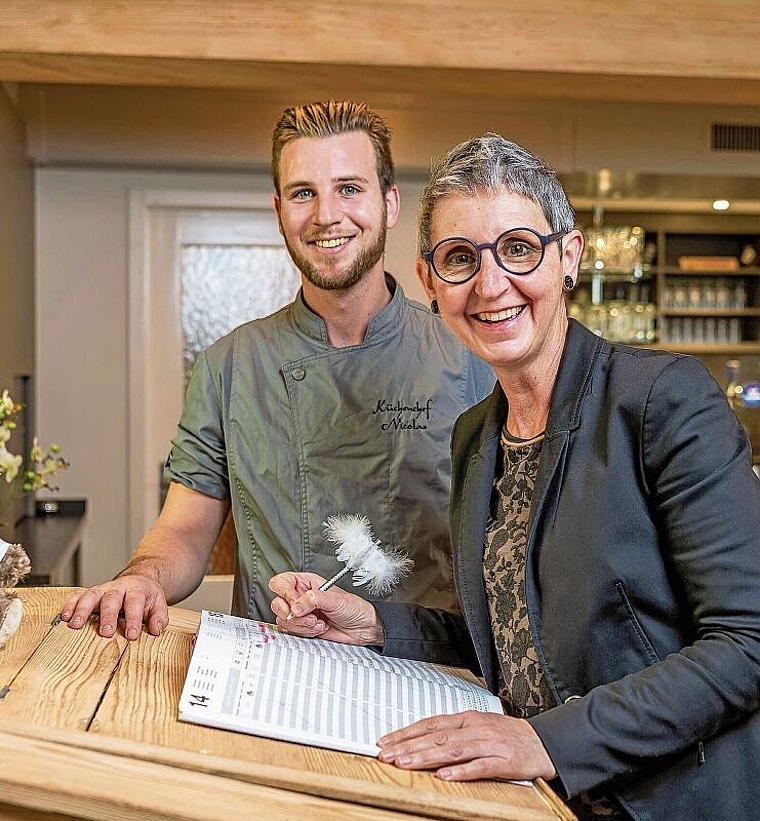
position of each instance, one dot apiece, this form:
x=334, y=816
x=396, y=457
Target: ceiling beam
x=632, y=38
x=382, y=86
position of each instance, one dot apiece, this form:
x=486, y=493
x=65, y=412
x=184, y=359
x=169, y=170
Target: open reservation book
x=252, y=677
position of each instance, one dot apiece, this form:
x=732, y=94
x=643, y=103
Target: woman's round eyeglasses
x=519, y=251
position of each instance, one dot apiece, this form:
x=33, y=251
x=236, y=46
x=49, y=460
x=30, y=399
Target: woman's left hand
x=469, y=746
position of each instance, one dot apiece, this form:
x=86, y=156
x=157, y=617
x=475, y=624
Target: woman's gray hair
x=492, y=164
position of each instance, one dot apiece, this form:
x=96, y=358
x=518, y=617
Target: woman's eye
x=516, y=250
x=459, y=258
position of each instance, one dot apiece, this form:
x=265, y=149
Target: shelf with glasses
x=697, y=276
x=616, y=304
x=712, y=306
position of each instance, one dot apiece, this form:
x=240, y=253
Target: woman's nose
x=491, y=279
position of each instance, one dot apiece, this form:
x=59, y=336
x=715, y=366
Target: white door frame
x=144, y=334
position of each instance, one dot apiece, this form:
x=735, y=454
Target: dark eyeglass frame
x=544, y=240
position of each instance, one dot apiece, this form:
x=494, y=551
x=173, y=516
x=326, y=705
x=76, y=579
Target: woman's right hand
x=305, y=610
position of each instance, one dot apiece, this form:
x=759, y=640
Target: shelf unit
x=721, y=315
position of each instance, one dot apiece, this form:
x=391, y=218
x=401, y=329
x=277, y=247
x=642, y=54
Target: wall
x=16, y=247
x=230, y=129
x=16, y=265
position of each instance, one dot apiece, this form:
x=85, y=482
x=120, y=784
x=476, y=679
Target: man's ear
x=392, y=206
x=425, y=277
x=276, y=204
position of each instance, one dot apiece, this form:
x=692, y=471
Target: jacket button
x=298, y=374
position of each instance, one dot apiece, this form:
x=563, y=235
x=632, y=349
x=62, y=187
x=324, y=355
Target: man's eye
x=349, y=190
x=303, y=194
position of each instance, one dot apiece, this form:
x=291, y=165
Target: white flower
x=42, y=465
x=36, y=454
x=6, y=403
x=9, y=464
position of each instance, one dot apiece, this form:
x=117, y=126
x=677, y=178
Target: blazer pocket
x=633, y=620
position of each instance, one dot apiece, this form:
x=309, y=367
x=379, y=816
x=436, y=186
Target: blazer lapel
x=469, y=516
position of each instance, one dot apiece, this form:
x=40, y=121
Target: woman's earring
x=434, y=307
x=568, y=283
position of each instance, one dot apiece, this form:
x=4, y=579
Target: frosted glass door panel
x=201, y=264
x=223, y=286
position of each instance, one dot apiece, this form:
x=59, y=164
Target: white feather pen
x=381, y=570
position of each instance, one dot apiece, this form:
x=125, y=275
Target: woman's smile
x=491, y=317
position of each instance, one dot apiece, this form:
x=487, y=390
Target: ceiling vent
x=732, y=137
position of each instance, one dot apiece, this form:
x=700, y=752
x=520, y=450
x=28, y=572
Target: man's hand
x=139, y=597
x=469, y=746
x=305, y=610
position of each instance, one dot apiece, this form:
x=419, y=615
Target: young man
x=342, y=402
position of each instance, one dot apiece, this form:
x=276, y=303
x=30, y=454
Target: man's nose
x=326, y=210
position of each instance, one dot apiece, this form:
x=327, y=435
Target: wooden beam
x=384, y=86
x=701, y=39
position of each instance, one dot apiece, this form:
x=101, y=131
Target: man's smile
x=335, y=242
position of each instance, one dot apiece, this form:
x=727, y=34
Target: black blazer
x=642, y=581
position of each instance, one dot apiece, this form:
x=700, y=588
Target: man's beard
x=366, y=260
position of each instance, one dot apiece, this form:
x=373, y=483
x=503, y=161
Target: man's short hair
x=493, y=164
x=324, y=119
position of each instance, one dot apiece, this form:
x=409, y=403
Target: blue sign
x=751, y=395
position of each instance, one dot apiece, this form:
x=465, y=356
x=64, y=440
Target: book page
x=252, y=677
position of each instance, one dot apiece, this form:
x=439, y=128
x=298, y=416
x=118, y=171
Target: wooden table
x=89, y=729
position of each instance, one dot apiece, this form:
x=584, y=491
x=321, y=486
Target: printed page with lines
x=252, y=677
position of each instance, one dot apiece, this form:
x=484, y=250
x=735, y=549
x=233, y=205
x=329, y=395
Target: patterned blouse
x=522, y=685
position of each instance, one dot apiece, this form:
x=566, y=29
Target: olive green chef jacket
x=292, y=430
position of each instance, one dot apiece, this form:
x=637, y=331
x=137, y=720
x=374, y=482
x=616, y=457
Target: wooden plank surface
x=8, y=812
x=700, y=38
x=35, y=624
x=63, y=681
x=57, y=777
x=136, y=722
x=278, y=763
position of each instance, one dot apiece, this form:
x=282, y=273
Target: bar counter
x=89, y=729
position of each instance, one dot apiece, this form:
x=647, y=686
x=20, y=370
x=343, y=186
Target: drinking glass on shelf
x=710, y=331
x=740, y=295
x=708, y=294
x=694, y=290
x=614, y=248
x=596, y=319
x=722, y=295
x=618, y=321
x=680, y=295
